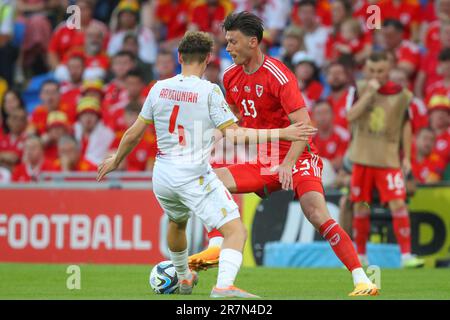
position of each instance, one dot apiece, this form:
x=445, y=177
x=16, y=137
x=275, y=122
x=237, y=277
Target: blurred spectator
x=8, y=53
x=443, y=68
x=10, y=102
x=427, y=167
x=439, y=113
x=433, y=29
x=351, y=41
x=407, y=12
x=11, y=144
x=70, y=157
x=143, y=155
x=341, y=92
x=212, y=73
x=172, y=20
x=429, y=71
x=331, y=140
x=66, y=38
x=51, y=101
x=33, y=162
x=292, y=42
x=324, y=15
x=70, y=90
x=274, y=14
x=406, y=53
x=209, y=15
x=307, y=74
x=33, y=51
x=115, y=92
x=93, y=136
x=96, y=60
x=131, y=44
x=127, y=16
x=136, y=93
x=165, y=65
x=57, y=126
x=418, y=113
x=316, y=34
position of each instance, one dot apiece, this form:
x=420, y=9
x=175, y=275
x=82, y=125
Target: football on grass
x=163, y=278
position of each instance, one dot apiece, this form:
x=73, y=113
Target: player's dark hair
x=246, y=22
x=50, y=81
x=378, y=56
x=304, y=3
x=396, y=24
x=444, y=55
x=195, y=46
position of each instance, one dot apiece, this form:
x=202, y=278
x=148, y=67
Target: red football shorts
x=388, y=181
x=257, y=177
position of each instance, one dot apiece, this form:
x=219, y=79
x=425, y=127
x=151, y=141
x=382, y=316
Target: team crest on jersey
x=259, y=90
x=247, y=89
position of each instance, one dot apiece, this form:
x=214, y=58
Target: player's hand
x=285, y=176
x=373, y=86
x=297, y=132
x=406, y=166
x=108, y=165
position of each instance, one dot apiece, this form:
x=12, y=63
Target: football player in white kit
x=186, y=112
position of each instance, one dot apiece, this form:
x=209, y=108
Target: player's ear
x=208, y=58
x=253, y=42
x=180, y=59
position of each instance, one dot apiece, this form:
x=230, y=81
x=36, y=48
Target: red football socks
x=340, y=243
x=361, y=230
x=402, y=229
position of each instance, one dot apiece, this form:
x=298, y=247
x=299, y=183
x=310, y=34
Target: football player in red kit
x=267, y=96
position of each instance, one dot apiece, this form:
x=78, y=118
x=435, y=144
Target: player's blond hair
x=195, y=46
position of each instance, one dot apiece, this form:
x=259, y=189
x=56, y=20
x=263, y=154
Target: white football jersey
x=185, y=112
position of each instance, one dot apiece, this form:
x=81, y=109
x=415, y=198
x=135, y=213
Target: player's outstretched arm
x=295, y=132
x=128, y=142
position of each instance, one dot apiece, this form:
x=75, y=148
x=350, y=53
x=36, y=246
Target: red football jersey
x=265, y=97
x=339, y=105
x=442, y=146
x=24, y=173
x=429, y=169
x=334, y=145
x=418, y=114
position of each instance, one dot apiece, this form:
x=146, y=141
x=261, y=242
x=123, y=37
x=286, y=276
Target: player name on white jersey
x=176, y=95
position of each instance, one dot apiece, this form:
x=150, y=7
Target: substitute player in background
x=380, y=123
x=267, y=96
x=185, y=110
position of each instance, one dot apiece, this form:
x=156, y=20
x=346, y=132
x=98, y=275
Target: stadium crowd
x=68, y=94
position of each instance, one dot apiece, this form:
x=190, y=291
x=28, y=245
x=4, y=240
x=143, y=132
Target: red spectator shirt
x=408, y=51
x=429, y=65
x=418, y=114
x=265, y=98
x=116, y=97
x=24, y=173
x=65, y=39
x=432, y=37
x=70, y=94
x=139, y=157
x=83, y=165
x=12, y=143
x=339, y=106
x=429, y=169
x=175, y=16
x=334, y=145
x=313, y=91
x=442, y=145
x=407, y=13
x=209, y=19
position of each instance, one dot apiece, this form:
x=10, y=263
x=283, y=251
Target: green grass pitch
x=48, y=281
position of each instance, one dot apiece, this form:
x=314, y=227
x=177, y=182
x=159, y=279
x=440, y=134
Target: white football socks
x=230, y=261
x=215, y=242
x=180, y=261
x=359, y=276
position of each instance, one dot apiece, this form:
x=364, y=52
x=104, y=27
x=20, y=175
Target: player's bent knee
x=235, y=229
